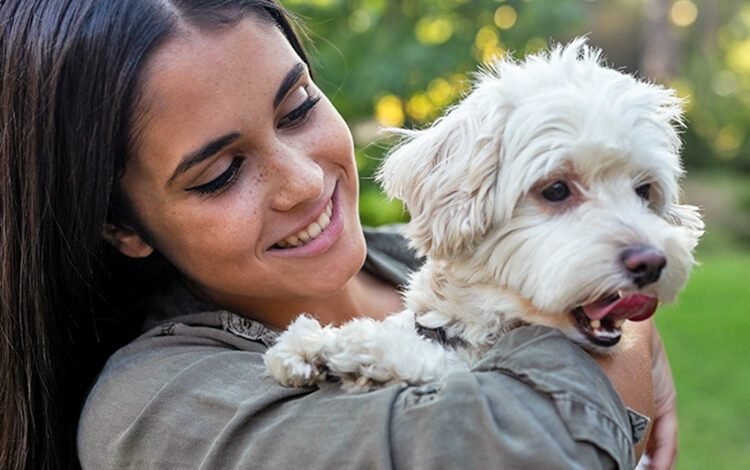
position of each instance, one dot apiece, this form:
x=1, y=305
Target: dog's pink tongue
x=635, y=307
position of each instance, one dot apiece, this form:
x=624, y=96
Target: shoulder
x=389, y=256
x=546, y=361
x=178, y=383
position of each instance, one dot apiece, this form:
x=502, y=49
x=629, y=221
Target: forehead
x=596, y=134
x=201, y=84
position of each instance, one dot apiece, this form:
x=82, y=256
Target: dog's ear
x=446, y=175
x=688, y=217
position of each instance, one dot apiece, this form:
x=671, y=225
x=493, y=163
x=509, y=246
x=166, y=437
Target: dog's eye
x=557, y=191
x=644, y=191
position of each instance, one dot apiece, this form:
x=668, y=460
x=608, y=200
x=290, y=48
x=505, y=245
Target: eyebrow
x=215, y=146
x=291, y=78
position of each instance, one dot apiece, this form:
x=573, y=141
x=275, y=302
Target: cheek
x=209, y=232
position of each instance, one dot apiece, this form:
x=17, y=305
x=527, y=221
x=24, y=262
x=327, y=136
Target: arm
x=662, y=444
x=196, y=399
x=642, y=376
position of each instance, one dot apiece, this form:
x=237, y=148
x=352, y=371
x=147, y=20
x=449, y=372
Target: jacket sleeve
x=195, y=398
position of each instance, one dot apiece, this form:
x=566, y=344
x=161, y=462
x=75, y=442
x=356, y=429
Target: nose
x=644, y=264
x=298, y=177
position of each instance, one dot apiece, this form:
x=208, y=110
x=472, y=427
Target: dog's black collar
x=440, y=336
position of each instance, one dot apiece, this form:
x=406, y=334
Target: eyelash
x=223, y=181
x=298, y=115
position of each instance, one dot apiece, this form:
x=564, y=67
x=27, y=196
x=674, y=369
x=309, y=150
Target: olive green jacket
x=191, y=393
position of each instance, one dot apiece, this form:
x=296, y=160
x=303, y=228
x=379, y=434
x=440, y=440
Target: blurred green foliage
x=394, y=63
x=705, y=336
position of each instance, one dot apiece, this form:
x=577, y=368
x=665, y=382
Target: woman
x=190, y=137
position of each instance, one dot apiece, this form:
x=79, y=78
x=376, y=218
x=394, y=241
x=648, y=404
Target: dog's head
x=555, y=179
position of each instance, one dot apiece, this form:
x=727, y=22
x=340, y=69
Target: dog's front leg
x=363, y=353
x=369, y=354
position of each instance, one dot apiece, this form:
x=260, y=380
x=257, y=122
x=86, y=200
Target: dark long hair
x=69, y=88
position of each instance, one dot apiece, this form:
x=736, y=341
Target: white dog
x=549, y=195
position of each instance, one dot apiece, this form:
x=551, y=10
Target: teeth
x=311, y=231
x=314, y=229
x=620, y=294
x=596, y=324
x=324, y=220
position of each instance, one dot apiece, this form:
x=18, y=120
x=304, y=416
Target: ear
x=688, y=217
x=126, y=241
x=446, y=176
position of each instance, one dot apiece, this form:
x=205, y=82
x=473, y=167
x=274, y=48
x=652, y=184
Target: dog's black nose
x=644, y=264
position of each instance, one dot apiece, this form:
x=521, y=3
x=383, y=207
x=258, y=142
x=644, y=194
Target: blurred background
x=401, y=62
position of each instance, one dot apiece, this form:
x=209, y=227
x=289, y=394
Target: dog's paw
x=291, y=370
x=295, y=360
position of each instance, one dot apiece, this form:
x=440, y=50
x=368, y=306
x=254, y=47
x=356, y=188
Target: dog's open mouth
x=601, y=321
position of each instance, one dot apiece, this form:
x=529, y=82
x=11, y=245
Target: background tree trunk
x=660, y=44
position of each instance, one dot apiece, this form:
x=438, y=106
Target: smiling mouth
x=309, y=233
x=601, y=321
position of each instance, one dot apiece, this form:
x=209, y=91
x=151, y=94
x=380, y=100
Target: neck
x=362, y=296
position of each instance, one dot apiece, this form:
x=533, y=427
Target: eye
x=556, y=192
x=223, y=181
x=644, y=191
x=299, y=114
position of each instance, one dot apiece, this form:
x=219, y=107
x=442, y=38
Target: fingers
x=662, y=446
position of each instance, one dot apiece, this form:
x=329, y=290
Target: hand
x=662, y=443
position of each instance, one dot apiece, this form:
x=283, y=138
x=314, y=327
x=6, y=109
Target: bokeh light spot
x=441, y=92
x=505, y=17
x=728, y=140
x=488, y=45
x=724, y=83
x=434, y=30
x=389, y=111
x=535, y=44
x=683, y=13
x=360, y=21
x=738, y=57
x=486, y=37
x=420, y=107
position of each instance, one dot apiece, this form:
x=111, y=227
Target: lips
x=315, y=234
x=309, y=233
x=601, y=321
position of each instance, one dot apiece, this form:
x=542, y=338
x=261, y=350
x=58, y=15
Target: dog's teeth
x=620, y=294
x=595, y=324
x=619, y=322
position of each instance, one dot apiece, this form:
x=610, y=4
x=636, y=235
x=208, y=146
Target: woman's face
x=244, y=174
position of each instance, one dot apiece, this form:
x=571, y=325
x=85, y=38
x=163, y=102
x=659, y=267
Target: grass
x=706, y=336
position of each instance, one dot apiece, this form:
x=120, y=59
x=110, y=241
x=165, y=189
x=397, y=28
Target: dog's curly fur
x=498, y=248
